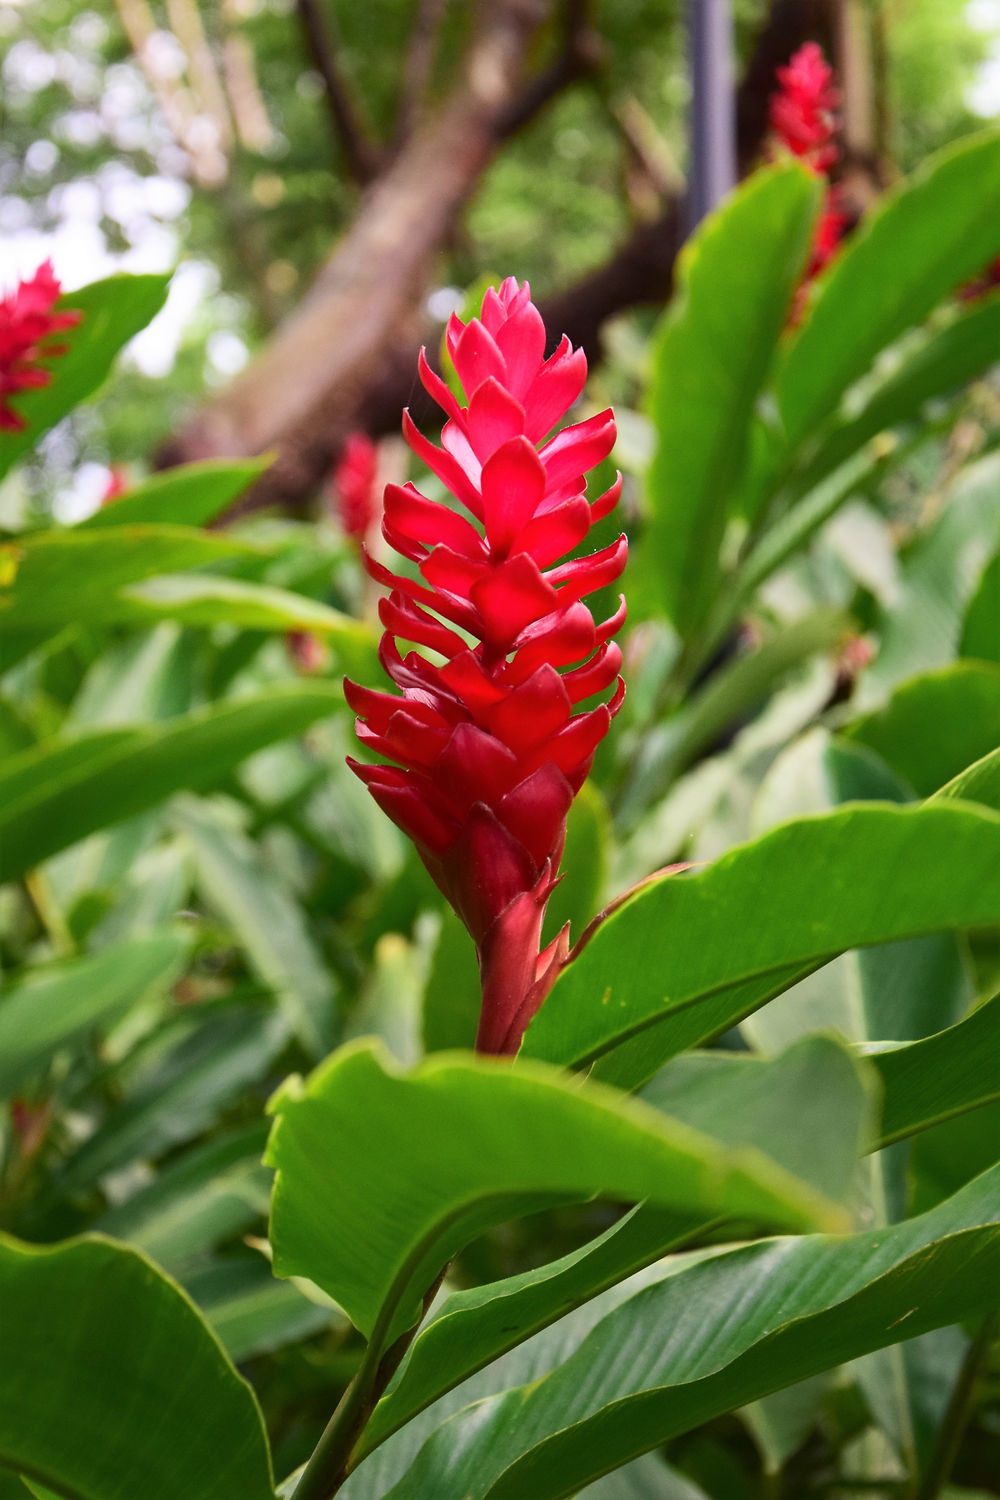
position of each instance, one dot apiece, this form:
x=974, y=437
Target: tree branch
x=581, y=54
x=346, y=357
x=360, y=154
x=418, y=65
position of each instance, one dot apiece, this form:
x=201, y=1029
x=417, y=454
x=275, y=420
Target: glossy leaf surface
x=779, y=906
x=118, y=1388
x=383, y=1175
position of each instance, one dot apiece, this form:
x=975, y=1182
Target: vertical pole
x=713, y=114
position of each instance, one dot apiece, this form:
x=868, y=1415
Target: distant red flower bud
x=492, y=745
x=803, y=110
x=117, y=485
x=355, y=488
x=27, y=324
x=306, y=652
x=803, y=117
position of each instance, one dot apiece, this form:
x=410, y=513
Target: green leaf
x=695, y=953
x=735, y=281
x=118, y=1387
x=54, y=1005
x=210, y=1194
x=252, y=1313
x=981, y=627
x=269, y=923
x=383, y=1175
x=729, y=1329
x=206, y=599
x=65, y=575
x=948, y=358
x=114, y=311
x=939, y=576
x=894, y=992
x=808, y=1111
x=180, y=1090
x=54, y=795
x=977, y=783
x=935, y=725
x=914, y=249
x=941, y=1076
x=191, y=495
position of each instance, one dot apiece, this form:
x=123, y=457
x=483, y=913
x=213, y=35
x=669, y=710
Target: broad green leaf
x=204, y=599
x=648, y=1478
x=764, y=914
x=912, y=250
x=977, y=783
x=181, y=1089
x=206, y=1196
x=730, y=1329
x=149, y=675
x=735, y=281
x=383, y=1175
x=63, y=576
x=118, y=1388
x=894, y=992
x=55, y=1004
x=453, y=994
x=269, y=924
x=947, y=359
x=939, y=576
x=941, y=1076
x=114, y=311
x=935, y=725
x=191, y=495
x=58, y=793
x=731, y=693
x=808, y=1111
x=250, y=1312
x=981, y=627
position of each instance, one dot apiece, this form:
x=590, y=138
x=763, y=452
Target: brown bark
x=345, y=358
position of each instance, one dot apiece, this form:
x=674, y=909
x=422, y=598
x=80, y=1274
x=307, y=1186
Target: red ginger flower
x=489, y=749
x=804, y=120
x=354, y=485
x=803, y=109
x=27, y=323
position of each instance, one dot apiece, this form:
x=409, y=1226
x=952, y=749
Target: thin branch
x=419, y=64
x=361, y=155
x=580, y=55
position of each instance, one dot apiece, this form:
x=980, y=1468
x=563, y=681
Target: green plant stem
x=328, y=1467
x=956, y=1418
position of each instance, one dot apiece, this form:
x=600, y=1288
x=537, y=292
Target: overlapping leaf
x=54, y=795
x=382, y=1175
x=692, y=954
x=114, y=1387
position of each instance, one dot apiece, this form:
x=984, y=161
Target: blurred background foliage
x=216, y=154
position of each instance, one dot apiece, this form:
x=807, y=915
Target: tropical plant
x=727, y=1223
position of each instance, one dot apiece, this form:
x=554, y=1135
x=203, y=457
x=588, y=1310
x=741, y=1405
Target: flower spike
x=27, y=324
x=492, y=744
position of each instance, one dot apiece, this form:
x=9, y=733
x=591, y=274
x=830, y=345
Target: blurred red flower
x=27, y=324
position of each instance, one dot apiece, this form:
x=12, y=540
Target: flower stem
x=956, y=1418
x=329, y=1465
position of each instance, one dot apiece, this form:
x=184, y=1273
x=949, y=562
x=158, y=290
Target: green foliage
x=201, y=905
x=160, y=1393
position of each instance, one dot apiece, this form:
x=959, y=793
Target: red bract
x=803, y=109
x=492, y=744
x=354, y=484
x=804, y=121
x=27, y=323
